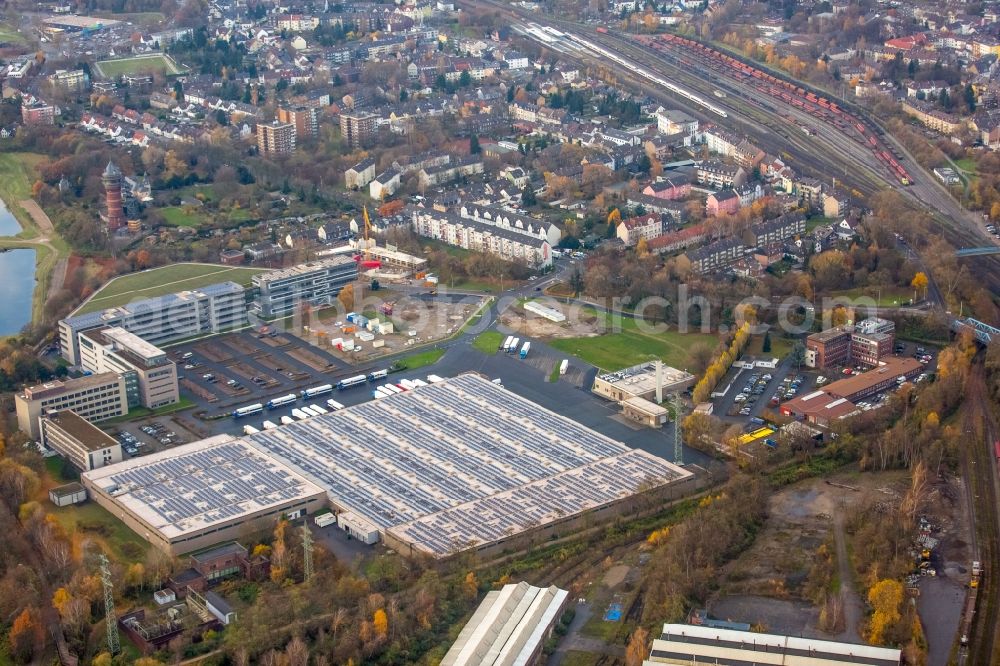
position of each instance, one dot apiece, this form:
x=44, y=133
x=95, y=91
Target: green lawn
x=488, y=341
x=135, y=413
x=577, y=658
x=165, y=280
x=143, y=64
x=966, y=164
x=419, y=360
x=819, y=220
x=17, y=173
x=10, y=35
x=177, y=216
x=779, y=346
x=94, y=522
x=614, y=351
x=882, y=296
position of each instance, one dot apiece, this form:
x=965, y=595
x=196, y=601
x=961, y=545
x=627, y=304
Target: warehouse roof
x=195, y=486
x=508, y=626
x=689, y=643
x=461, y=463
x=890, y=367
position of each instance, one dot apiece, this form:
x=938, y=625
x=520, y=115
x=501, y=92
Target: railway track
x=979, y=464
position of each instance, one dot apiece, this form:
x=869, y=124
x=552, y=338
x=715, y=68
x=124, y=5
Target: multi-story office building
x=829, y=348
x=150, y=376
x=275, y=138
x=163, y=319
x=304, y=118
x=95, y=397
x=79, y=441
x=314, y=283
x=357, y=128
x=866, y=343
x=523, y=244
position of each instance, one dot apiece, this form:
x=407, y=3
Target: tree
x=474, y=147
x=798, y=354
x=885, y=597
x=642, y=247
x=919, y=283
x=528, y=198
x=381, y=623
x=637, y=649
x=178, y=91
x=471, y=586
x=765, y=346
x=614, y=217
x=26, y=636
x=346, y=298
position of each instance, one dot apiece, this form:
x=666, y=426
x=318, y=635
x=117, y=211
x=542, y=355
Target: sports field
x=164, y=280
x=142, y=64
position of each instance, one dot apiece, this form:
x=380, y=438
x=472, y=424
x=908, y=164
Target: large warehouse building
x=455, y=465
x=201, y=494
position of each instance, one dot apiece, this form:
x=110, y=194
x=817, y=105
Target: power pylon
x=307, y=552
x=678, y=446
x=110, y=617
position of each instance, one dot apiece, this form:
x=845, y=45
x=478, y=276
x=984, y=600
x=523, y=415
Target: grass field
x=779, y=346
x=176, y=216
x=17, y=173
x=419, y=360
x=882, y=296
x=144, y=64
x=92, y=521
x=10, y=35
x=614, y=351
x=488, y=341
x=165, y=280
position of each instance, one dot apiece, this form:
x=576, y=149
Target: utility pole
x=307, y=552
x=110, y=618
x=678, y=446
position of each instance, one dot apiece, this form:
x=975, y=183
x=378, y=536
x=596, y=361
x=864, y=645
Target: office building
x=641, y=381
x=94, y=397
x=79, y=441
x=275, y=138
x=509, y=627
x=305, y=119
x=150, y=376
x=829, y=348
x=164, y=319
x=114, y=210
x=201, y=494
x=693, y=644
x=358, y=128
x=866, y=343
x=314, y=283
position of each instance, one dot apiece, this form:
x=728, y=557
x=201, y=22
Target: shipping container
x=250, y=430
x=299, y=414
x=325, y=519
x=434, y=379
x=287, y=420
x=333, y=404
x=269, y=425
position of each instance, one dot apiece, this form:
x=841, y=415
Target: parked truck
x=525, y=348
x=564, y=366
x=513, y=345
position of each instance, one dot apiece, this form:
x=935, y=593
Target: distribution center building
x=693, y=644
x=459, y=464
x=200, y=494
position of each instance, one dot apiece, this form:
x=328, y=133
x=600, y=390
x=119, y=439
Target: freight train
x=788, y=92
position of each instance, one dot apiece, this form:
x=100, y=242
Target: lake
x=8, y=223
x=17, y=284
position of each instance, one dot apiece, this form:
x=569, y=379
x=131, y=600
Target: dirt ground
x=579, y=322
x=765, y=584
x=427, y=320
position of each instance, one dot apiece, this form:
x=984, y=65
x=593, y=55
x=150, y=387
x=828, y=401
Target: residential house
x=360, y=174
x=672, y=188
x=724, y=201
x=647, y=227
x=719, y=174
x=385, y=185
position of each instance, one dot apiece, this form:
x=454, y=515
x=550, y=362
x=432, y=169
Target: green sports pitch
x=141, y=64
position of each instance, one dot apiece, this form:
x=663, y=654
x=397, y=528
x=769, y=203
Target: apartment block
x=95, y=397
x=358, y=129
x=314, y=283
x=150, y=376
x=275, y=138
x=38, y=114
x=775, y=231
x=79, y=441
x=213, y=309
x=481, y=235
x=715, y=256
x=305, y=119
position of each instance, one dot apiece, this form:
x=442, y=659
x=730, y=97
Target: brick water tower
x=112, y=180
